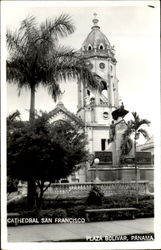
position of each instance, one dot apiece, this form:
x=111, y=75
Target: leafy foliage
x=11, y=184
x=45, y=152
x=133, y=127
x=76, y=208
x=14, y=121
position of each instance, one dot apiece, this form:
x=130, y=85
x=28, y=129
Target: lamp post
x=96, y=162
x=136, y=170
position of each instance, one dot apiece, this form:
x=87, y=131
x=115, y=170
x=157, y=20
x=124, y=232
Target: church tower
x=95, y=107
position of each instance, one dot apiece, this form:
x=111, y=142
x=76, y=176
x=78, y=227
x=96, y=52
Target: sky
x=131, y=26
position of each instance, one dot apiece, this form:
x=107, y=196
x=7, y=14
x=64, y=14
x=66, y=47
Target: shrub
x=145, y=209
x=48, y=213
x=17, y=205
x=95, y=197
x=76, y=212
x=59, y=213
x=35, y=213
x=63, y=203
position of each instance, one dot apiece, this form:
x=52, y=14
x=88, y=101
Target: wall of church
x=81, y=95
x=89, y=131
x=98, y=135
x=96, y=67
x=99, y=115
x=115, y=89
x=95, y=137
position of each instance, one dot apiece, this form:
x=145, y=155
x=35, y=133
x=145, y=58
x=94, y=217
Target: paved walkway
x=60, y=232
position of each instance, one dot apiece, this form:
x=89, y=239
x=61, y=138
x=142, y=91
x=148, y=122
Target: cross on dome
x=95, y=15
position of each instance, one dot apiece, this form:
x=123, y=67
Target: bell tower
x=93, y=106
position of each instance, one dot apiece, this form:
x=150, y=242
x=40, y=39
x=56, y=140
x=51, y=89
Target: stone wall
x=80, y=190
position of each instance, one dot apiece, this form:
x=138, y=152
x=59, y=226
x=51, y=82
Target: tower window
x=103, y=144
x=102, y=65
x=103, y=85
x=88, y=92
x=111, y=68
x=89, y=47
x=101, y=46
x=105, y=115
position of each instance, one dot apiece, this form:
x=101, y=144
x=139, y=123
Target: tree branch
x=46, y=187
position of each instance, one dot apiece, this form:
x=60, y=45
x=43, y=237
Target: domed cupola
x=96, y=43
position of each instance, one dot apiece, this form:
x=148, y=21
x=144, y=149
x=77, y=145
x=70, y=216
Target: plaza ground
x=67, y=232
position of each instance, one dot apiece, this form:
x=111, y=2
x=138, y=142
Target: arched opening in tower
x=104, y=88
x=89, y=47
x=101, y=47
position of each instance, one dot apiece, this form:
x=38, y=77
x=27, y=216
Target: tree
x=45, y=152
x=35, y=57
x=13, y=123
x=11, y=184
x=134, y=128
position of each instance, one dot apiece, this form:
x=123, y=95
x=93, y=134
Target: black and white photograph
x=80, y=119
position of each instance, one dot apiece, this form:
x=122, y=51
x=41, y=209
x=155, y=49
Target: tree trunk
x=31, y=184
x=40, y=198
x=31, y=193
x=32, y=103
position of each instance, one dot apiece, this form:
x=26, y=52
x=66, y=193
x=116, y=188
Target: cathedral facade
x=95, y=112
x=95, y=107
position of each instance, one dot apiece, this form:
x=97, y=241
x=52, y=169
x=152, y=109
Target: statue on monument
x=111, y=132
x=116, y=132
x=118, y=113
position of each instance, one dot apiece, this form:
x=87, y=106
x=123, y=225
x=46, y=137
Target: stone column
x=120, y=127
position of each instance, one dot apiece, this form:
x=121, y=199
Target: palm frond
x=13, y=43
x=72, y=66
x=29, y=31
x=60, y=27
x=54, y=89
x=136, y=117
x=138, y=122
x=63, y=65
x=144, y=122
x=14, y=116
x=144, y=133
x=16, y=72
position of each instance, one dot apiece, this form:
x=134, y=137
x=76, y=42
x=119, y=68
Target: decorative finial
x=95, y=15
x=95, y=20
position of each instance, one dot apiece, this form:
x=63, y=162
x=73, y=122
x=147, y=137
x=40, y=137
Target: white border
x=121, y=245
